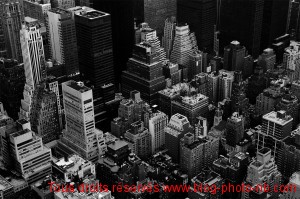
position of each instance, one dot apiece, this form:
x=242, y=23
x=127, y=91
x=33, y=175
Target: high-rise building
x=63, y=4
x=3, y=50
x=80, y=135
x=169, y=34
x=183, y=45
x=12, y=17
x=36, y=9
x=294, y=187
x=294, y=28
x=202, y=16
x=290, y=104
x=172, y=73
x=275, y=127
x=213, y=79
x=44, y=118
x=195, y=65
x=62, y=39
x=33, y=52
x=12, y=81
x=139, y=139
x=263, y=170
x=291, y=58
x=157, y=123
x=147, y=34
x=248, y=66
x=196, y=154
x=242, y=21
x=256, y=84
x=206, y=178
x=279, y=45
x=27, y=154
x=25, y=108
x=234, y=56
x=191, y=106
x=267, y=59
x=144, y=73
x=239, y=101
x=177, y=127
x=275, y=21
x=235, y=129
x=295, y=88
x=225, y=84
x=156, y=12
x=289, y=155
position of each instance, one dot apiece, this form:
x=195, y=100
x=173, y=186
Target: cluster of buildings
x=188, y=94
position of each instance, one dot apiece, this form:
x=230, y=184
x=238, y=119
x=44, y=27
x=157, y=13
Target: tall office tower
x=183, y=45
x=44, y=118
x=33, y=53
x=234, y=56
x=279, y=45
x=12, y=80
x=267, y=59
x=147, y=34
x=195, y=64
x=12, y=17
x=213, y=81
x=202, y=17
x=289, y=155
x=257, y=83
x=122, y=21
x=242, y=21
x=28, y=156
x=291, y=58
x=275, y=127
x=225, y=84
x=139, y=139
x=62, y=39
x=169, y=35
x=294, y=28
x=36, y=9
x=248, y=66
x=157, y=123
x=172, y=72
x=80, y=135
x=63, y=4
x=290, y=104
x=275, y=21
x=144, y=73
x=268, y=99
x=239, y=101
x=206, y=178
x=263, y=170
x=3, y=50
x=294, y=185
x=295, y=88
x=235, y=128
x=177, y=127
x=196, y=154
x=25, y=108
x=156, y=12
x=201, y=127
x=218, y=117
x=191, y=106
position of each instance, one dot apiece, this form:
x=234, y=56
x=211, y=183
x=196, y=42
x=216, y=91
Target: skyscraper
x=157, y=123
x=36, y=9
x=267, y=59
x=195, y=65
x=202, y=16
x=80, y=135
x=62, y=39
x=12, y=80
x=169, y=34
x=225, y=84
x=235, y=129
x=144, y=73
x=291, y=58
x=275, y=21
x=242, y=21
x=294, y=28
x=33, y=52
x=3, y=50
x=157, y=11
x=184, y=44
x=234, y=55
x=44, y=114
x=12, y=17
x=256, y=84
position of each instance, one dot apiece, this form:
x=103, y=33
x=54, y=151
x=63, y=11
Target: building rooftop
x=72, y=164
x=279, y=117
x=117, y=144
x=59, y=11
x=79, y=86
x=193, y=100
x=19, y=133
x=92, y=14
x=4, y=184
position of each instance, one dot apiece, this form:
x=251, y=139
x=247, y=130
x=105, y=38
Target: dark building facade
x=275, y=19
x=201, y=17
x=242, y=20
x=12, y=81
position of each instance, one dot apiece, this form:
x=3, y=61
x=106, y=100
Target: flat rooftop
x=79, y=86
x=59, y=11
x=272, y=117
x=117, y=144
x=92, y=14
